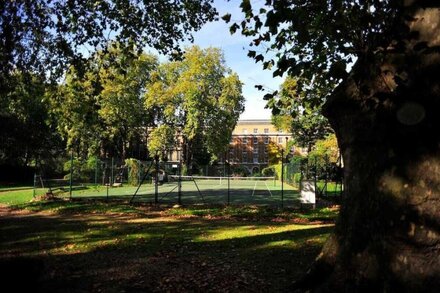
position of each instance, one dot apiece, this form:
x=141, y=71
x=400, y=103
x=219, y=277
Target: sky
x=235, y=48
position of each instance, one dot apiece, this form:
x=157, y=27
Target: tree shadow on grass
x=92, y=252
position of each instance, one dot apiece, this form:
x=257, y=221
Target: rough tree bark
x=387, y=120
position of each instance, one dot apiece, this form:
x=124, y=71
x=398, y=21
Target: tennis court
x=197, y=190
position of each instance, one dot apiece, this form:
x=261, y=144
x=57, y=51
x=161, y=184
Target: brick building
x=250, y=141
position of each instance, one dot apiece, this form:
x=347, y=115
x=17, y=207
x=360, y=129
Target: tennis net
x=217, y=180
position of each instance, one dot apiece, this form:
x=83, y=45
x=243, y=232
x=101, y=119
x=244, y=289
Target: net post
x=71, y=175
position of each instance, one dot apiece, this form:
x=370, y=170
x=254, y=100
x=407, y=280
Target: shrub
x=82, y=170
x=238, y=170
x=134, y=171
x=268, y=171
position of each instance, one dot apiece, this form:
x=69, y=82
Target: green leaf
x=251, y=54
x=259, y=58
x=233, y=28
x=227, y=17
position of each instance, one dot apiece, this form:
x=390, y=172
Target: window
x=280, y=140
x=266, y=130
x=255, y=158
x=255, y=130
x=244, y=158
x=255, y=150
x=266, y=159
x=255, y=140
x=266, y=140
x=245, y=140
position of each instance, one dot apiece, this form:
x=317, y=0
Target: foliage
x=26, y=128
x=161, y=139
x=82, y=170
x=273, y=153
x=239, y=171
x=43, y=36
x=74, y=107
x=316, y=41
x=304, y=121
x=324, y=161
x=199, y=97
x=123, y=80
x=282, y=122
x=268, y=171
x=134, y=170
x=326, y=148
x=102, y=111
x=41, y=40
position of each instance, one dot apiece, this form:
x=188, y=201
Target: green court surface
x=197, y=190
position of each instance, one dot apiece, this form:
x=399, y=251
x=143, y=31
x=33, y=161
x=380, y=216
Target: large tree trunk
x=386, y=116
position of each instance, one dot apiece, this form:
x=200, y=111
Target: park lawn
x=86, y=245
x=21, y=195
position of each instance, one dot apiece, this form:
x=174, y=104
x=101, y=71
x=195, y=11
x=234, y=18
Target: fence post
x=282, y=178
x=156, y=180
x=96, y=172
x=108, y=185
x=71, y=175
x=229, y=178
x=35, y=184
x=316, y=175
x=179, y=183
x=112, y=170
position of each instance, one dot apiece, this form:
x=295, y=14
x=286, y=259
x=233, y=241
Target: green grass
x=94, y=245
x=17, y=197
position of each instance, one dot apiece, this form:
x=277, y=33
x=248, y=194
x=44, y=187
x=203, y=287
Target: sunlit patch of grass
x=254, y=212
x=16, y=197
x=250, y=230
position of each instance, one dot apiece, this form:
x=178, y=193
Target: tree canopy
x=45, y=36
x=53, y=41
x=303, y=120
x=317, y=42
x=199, y=97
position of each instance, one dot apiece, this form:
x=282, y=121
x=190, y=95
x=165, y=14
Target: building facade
x=248, y=147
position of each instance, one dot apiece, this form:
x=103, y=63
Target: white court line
x=255, y=186
x=268, y=188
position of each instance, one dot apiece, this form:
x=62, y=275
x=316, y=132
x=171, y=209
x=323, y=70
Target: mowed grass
x=93, y=246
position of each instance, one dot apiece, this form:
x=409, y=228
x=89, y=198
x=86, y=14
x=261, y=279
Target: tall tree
x=102, y=111
x=74, y=106
x=121, y=102
x=198, y=96
x=47, y=37
x=302, y=118
x=385, y=115
x=29, y=135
